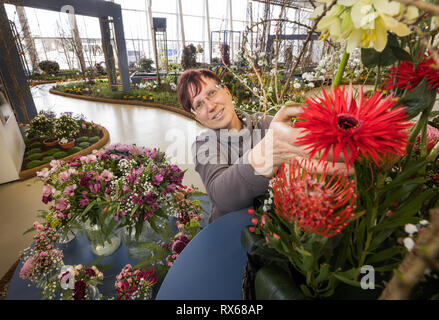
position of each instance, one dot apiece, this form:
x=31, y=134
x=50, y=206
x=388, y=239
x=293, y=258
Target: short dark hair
x=189, y=78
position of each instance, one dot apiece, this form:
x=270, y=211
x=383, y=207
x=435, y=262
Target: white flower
x=311, y=85
x=296, y=85
x=424, y=222
x=409, y=243
x=66, y=277
x=410, y=228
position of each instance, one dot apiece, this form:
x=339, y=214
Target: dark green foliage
x=51, y=152
x=84, y=145
x=189, y=57
x=94, y=139
x=47, y=159
x=35, y=156
x=34, y=163
x=34, y=150
x=60, y=154
x=73, y=150
x=145, y=64
x=49, y=67
x=81, y=139
x=35, y=144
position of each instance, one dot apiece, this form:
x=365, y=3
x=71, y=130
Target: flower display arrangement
x=134, y=284
x=79, y=282
x=121, y=186
x=322, y=235
x=43, y=260
x=41, y=126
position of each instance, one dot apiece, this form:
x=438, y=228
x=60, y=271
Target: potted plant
x=66, y=128
x=41, y=126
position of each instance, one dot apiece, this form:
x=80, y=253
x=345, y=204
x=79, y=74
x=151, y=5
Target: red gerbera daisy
x=408, y=77
x=369, y=128
x=317, y=204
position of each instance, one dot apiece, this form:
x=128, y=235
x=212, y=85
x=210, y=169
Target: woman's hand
x=279, y=146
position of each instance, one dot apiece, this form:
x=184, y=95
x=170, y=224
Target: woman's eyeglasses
x=201, y=106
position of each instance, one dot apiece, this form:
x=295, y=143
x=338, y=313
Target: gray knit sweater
x=220, y=158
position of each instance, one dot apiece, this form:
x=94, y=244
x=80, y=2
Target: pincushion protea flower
x=408, y=77
x=370, y=128
x=317, y=203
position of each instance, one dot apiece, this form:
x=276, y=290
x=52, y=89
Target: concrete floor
x=149, y=127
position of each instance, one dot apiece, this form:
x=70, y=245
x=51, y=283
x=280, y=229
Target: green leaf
x=323, y=273
x=384, y=255
x=401, y=54
x=346, y=280
x=273, y=283
x=403, y=177
x=379, y=238
x=248, y=239
x=417, y=100
x=28, y=231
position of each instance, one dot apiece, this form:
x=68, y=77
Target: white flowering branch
x=414, y=265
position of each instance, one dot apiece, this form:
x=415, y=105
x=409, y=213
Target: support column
x=122, y=52
x=108, y=51
x=209, y=37
x=154, y=41
x=77, y=42
x=231, y=32
x=12, y=73
x=181, y=24
x=28, y=41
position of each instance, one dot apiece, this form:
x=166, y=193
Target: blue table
x=75, y=252
x=211, y=267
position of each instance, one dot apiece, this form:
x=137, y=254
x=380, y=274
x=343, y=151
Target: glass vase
x=93, y=293
x=147, y=235
x=99, y=245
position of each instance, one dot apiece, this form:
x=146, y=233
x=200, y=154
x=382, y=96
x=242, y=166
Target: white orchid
x=364, y=23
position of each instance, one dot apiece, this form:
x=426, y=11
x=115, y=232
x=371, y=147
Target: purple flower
x=83, y=182
x=90, y=272
x=79, y=291
x=95, y=188
x=62, y=204
x=63, y=176
x=84, y=201
x=70, y=190
x=178, y=246
x=157, y=179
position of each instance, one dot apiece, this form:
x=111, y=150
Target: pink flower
x=63, y=176
x=62, y=204
x=43, y=174
x=47, y=190
x=70, y=190
x=106, y=175
x=95, y=188
x=27, y=268
x=90, y=158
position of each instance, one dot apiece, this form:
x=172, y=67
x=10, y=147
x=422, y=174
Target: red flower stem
x=341, y=68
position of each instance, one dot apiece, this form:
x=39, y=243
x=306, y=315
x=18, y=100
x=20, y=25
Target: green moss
x=34, y=150
x=35, y=144
x=34, y=163
x=51, y=152
x=48, y=159
x=73, y=150
x=94, y=139
x=84, y=145
x=35, y=156
x=82, y=139
x=60, y=154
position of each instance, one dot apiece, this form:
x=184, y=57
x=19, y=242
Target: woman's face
x=213, y=105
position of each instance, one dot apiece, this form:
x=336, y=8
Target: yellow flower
x=364, y=23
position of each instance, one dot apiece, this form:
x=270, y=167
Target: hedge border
x=29, y=173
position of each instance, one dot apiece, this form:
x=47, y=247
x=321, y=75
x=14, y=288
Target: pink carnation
x=70, y=190
x=62, y=204
x=26, y=270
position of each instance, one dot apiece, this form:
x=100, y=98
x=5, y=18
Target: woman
x=238, y=156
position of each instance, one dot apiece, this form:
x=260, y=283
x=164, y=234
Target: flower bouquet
x=79, y=282
x=135, y=284
x=43, y=260
x=121, y=186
